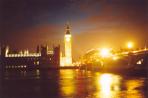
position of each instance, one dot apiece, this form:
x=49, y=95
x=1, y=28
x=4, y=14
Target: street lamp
x=105, y=52
x=130, y=45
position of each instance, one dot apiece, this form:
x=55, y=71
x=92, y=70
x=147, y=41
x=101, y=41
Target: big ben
x=68, y=49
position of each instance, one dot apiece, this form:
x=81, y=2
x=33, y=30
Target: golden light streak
x=108, y=85
x=105, y=82
x=67, y=86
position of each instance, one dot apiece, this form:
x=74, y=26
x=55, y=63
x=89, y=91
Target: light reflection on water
x=74, y=84
x=109, y=85
x=67, y=86
x=134, y=87
x=104, y=85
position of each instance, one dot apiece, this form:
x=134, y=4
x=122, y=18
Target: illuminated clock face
x=67, y=39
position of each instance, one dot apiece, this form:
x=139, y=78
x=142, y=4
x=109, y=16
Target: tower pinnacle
x=67, y=29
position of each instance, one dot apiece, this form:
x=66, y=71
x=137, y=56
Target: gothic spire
x=67, y=28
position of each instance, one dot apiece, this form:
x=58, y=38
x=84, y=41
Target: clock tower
x=68, y=49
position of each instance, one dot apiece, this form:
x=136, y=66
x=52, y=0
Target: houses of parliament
x=42, y=58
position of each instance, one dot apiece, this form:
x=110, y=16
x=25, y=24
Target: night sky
x=94, y=23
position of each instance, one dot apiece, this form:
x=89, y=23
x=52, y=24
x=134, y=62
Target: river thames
x=72, y=83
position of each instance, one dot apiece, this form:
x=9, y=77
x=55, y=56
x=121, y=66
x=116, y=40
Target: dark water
x=66, y=83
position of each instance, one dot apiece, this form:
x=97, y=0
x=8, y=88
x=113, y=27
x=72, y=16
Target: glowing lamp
x=105, y=52
x=115, y=58
x=130, y=45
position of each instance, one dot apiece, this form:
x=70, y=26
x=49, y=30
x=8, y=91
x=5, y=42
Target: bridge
x=123, y=60
x=136, y=57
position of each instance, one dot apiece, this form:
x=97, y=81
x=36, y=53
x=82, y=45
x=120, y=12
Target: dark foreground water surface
x=68, y=83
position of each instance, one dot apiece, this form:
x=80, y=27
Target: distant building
x=43, y=58
x=51, y=58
